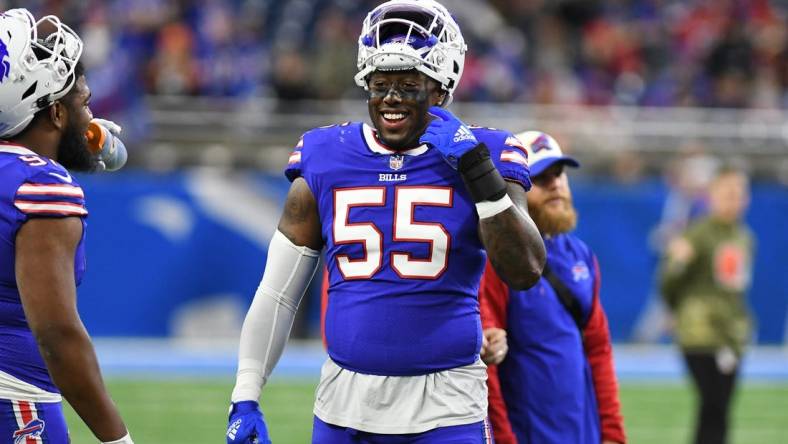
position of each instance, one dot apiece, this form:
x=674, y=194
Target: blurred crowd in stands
x=712, y=53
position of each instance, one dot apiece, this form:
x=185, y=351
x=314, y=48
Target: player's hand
x=112, y=155
x=494, y=346
x=449, y=136
x=113, y=127
x=247, y=424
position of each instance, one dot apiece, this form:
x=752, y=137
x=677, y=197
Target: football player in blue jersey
x=557, y=383
x=45, y=350
x=407, y=210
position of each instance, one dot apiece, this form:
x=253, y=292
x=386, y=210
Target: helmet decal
x=5, y=66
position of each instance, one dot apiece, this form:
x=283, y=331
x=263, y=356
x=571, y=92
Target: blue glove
x=449, y=136
x=247, y=424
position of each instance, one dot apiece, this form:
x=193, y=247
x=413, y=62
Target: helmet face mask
x=401, y=35
x=35, y=72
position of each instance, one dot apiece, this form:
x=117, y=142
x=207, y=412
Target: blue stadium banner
x=182, y=253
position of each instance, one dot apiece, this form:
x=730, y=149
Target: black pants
x=715, y=390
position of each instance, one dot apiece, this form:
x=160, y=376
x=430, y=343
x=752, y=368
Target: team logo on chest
x=396, y=161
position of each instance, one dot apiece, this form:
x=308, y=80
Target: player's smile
x=398, y=104
x=393, y=120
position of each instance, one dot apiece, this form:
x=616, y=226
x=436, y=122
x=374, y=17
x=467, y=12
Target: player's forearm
x=514, y=247
x=512, y=241
x=72, y=363
x=289, y=269
x=263, y=338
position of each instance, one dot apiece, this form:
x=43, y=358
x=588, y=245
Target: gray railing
x=261, y=132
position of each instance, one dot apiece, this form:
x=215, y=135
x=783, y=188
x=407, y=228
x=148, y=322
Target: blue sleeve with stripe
x=507, y=153
x=50, y=193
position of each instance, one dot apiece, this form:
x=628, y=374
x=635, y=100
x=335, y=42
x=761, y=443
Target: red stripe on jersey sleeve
x=514, y=156
x=55, y=190
x=514, y=142
x=52, y=208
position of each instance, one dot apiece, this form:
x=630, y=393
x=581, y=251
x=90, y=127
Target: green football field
x=194, y=411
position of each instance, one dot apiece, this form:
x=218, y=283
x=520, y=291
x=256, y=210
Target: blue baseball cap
x=543, y=151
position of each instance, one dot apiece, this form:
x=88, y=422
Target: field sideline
x=194, y=411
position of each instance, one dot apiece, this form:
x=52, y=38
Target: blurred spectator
x=731, y=68
x=290, y=78
x=627, y=167
x=333, y=59
x=687, y=179
x=722, y=53
x=231, y=51
x=705, y=275
x=173, y=69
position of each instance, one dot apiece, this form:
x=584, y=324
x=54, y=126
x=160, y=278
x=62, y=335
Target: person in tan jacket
x=705, y=275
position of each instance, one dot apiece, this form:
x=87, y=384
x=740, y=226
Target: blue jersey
x=402, y=248
x=30, y=186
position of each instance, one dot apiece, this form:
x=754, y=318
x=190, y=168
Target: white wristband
x=125, y=440
x=488, y=208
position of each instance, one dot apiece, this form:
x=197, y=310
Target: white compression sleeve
x=288, y=271
x=125, y=440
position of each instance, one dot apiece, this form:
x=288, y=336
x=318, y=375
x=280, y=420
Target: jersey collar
x=13, y=148
x=376, y=146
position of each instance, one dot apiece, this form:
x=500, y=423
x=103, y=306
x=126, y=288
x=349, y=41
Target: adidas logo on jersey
x=463, y=133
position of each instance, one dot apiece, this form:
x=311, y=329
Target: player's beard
x=73, y=152
x=552, y=220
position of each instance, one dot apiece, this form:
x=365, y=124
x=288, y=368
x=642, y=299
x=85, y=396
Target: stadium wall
x=180, y=254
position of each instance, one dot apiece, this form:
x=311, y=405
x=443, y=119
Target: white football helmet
x=412, y=34
x=33, y=73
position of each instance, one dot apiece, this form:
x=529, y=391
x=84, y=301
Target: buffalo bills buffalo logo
x=32, y=429
x=541, y=143
x=5, y=66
